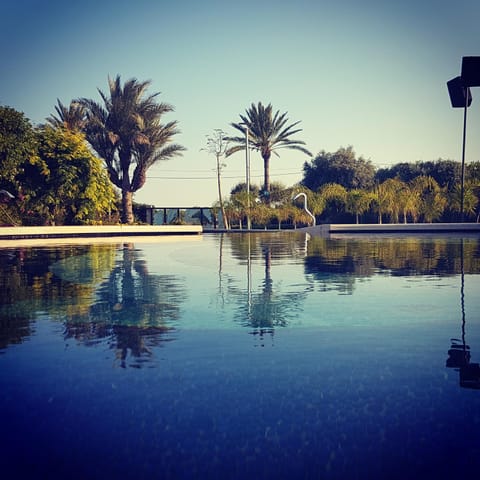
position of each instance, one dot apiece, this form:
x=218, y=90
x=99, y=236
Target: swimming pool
x=270, y=355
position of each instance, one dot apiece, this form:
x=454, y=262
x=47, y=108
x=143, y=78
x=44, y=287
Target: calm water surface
x=241, y=356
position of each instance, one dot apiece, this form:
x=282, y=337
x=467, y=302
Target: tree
x=217, y=145
x=358, y=202
x=341, y=167
x=408, y=202
x=267, y=133
x=240, y=206
x=71, y=117
x=17, y=146
x=334, y=197
x=282, y=213
x=447, y=173
x=261, y=214
x=404, y=171
x=432, y=197
x=393, y=189
x=126, y=131
x=382, y=200
x=278, y=192
x=470, y=199
x=472, y=171
x=67, y=184
x=242, y=187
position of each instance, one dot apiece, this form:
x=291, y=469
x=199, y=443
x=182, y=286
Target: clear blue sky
x=370, y=74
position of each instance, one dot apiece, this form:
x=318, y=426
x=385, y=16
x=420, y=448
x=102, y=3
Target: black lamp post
x=461, y=97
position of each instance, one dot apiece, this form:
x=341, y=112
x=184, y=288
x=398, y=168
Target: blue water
x=240, y=356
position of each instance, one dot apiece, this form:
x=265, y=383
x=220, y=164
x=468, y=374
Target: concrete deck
x=92, y=231
x=107, y=231
x=328, y=229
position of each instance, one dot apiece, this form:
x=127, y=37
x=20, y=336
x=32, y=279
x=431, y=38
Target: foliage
x=470, y=199
x=127, y=132
x=404, y=171
x=472, y=172
x=71, y=117
x=242, y=187
x=334, y=198
x=358, y=202
x=447, y=173
x=341, y=167
x=261, y=214
x=17, y=145
x=267, y=133
x=66, y=184
x=240, y=206
x=432, y=197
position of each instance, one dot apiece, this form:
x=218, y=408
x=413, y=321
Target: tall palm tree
x=71, y=117
x=126, y=131
x=267, y=133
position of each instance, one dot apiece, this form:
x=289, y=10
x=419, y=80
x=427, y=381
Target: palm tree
x=408, y=201
x=393, y=188
x=126, y=131
x=470, y=199
x=334, y=197
x=432, y=197
x=267, y=133
x=358, y=202
x=240, y=206
x=71, y=117
x=382, y=200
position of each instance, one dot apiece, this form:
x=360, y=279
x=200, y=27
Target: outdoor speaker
x=456, y=90
x=471, y=71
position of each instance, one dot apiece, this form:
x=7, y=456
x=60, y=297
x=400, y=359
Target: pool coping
x=327, y=229
x=92, y=231
x=96, y=231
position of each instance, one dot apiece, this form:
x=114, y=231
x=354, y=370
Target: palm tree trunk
x=127, y=206
x=266, y=177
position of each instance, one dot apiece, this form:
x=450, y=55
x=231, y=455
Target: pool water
x=262, y=356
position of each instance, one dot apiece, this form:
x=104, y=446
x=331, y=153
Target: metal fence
x=205, y=216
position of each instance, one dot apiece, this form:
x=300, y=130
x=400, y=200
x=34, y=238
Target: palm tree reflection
x=266, y=307
x=135, y=310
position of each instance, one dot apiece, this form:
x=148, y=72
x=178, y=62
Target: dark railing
x=205, y=216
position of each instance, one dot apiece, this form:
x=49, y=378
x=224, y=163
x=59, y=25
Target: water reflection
x=28, y=287
x=459, y=352
x=133, y=310
x=336, y=264
x=110, y=294
x=267, y=305
x=99, y=292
